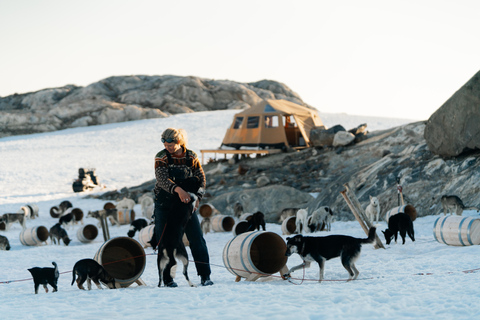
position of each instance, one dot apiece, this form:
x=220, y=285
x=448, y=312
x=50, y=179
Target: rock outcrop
x=454, y=128
x=316, y=176
x=126, y=98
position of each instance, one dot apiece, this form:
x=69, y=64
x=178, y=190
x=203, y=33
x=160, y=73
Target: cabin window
x=252, y=122
x=290, y=121
x=238, y=122
x=268, y=108
x=271, y=121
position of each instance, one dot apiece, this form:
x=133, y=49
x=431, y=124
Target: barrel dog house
x=457, y=230
x=34, y=236
x=255, y=254
x=222, y=223
x=207, y=210
x=408, y=209
x=240, y=227
x=87, y=233
x=124, y=259
x=145, y=235
x=289, y=225
x=125, y=216
x=30, y=210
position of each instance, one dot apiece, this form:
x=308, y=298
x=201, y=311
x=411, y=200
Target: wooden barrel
x=289, y=226
x=207, y=210
x=408, y=209
x=240, y=227
x=145, y=235
x=222, y=223
x=246, y=216
x=34, y=236
x=78, y=214
x=87, y=233
x=108, y=206
x=123, y=258
x=457, y=230
x=30, y=210
x=255, y=253
x=125, y=216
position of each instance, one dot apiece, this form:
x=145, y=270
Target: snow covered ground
x=420, y=280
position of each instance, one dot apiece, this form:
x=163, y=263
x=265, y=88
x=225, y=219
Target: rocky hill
x=126, y=98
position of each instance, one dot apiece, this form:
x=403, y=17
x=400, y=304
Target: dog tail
x=57, y=274
x=371, y=235
x=73, y=275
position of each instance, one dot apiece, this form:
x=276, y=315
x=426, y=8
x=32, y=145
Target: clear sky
x=399, y=59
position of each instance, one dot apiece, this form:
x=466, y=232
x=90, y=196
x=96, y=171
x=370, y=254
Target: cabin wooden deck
x=246, y=151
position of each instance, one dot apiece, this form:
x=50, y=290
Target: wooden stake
x=359, y=214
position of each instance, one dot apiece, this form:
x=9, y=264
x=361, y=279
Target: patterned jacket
x=187, y=160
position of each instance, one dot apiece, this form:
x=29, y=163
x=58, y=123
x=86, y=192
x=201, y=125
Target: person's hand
x=182, y=194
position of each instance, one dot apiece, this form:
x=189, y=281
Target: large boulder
x=454, y=127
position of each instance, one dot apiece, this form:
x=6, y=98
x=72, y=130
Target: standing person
x=178, y=172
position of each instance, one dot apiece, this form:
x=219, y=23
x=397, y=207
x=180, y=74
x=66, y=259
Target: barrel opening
x=42, y=233
x=78, y=214
x=108, y=206
x=267, y=253
x=228, y=223
x=90, y=232
x=123, y=258
x=241, y=227
x=291, y=224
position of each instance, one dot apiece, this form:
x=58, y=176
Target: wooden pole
x=359, y=214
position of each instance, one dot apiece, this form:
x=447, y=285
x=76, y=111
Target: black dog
x=256, y=221
x=44, y=276
x=400, y=222
x=171, y=244
x=136, y=225
x=57, y=233
x=90, y=270
x=321, y=249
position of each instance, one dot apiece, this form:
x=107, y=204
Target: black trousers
x=194, y=234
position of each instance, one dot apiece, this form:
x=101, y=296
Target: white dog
x=373, y=209
x=301, y=221
x=146, y=201
x=323, y=216
x=126, y=204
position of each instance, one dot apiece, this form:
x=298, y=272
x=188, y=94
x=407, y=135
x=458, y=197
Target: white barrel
x=408, y=209
x=255, y=253
x=34, y=236
x=87, y=233
x=457, y=230
x=222, y=223
x=30, y=210
x=289, y=226
x=125, y=216
x=123, y=258
x=145, y=235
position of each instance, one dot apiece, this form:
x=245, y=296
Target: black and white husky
x=171, y=244
x=321, y=249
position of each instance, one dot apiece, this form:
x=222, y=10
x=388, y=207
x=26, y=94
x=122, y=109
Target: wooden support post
x=359, y=214
x=103, y=222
